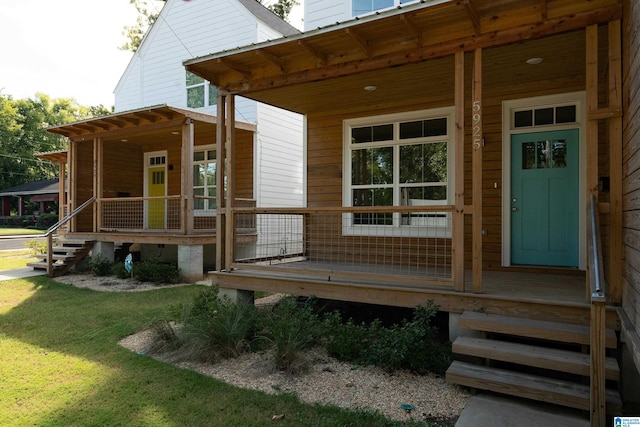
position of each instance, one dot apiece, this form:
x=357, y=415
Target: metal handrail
x=596, y=276
x=57, y=225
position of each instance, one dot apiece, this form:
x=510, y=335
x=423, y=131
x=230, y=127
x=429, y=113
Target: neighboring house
x=452, y=151
x=156, y=94
x=42, y=192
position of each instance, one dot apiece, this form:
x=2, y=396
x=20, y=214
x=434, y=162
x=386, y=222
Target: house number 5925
x=477, y=120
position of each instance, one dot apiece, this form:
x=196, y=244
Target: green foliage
x=37, y=246
x=412, y=344
x=147, y=14
x=289, y=329
x=156, y=272
x=100, y=266
x=120, y=271
x=282, y=8
x=46, y=220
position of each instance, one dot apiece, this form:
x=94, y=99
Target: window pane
x=523, y=118
x=423, y=163
x=360, y=135
x=414, y=195
x=192, y=79
x=198, y=203
x=528, y=155
x=383, y=133
x=211, y=174
x=566, y=114
x=544, y=154
x=373, y=197
x=213, y=95
x=198, y=175
x=372, y=166
x=559, y=148
x=544, y=116
x=361, y=6
x=195, y=97
x=381, y=4
x=198, y=156
x=211, y=192
x=411, y=130
x=211, y=155
x=435, y=127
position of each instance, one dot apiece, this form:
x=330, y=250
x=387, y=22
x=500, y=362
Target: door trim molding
x=508, y=107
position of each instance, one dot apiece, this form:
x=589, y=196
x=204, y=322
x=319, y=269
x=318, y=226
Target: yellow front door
x=156, y=187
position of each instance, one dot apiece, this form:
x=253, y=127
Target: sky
x=66, y=48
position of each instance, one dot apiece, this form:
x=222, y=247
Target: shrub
x=156, y=272
x=120, y=271
x=100, y=266
x=412, y=344
x=37, y=246
x=46, y=220
x=289, y=329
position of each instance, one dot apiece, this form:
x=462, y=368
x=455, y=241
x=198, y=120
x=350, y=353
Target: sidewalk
x=20, y=273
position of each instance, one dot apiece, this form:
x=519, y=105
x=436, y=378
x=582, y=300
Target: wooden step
x=571, y=362
x=528, y=386
x=67, y=249
x=42, y=265
x=75, y=242
x=531, y=328
x=56, y=257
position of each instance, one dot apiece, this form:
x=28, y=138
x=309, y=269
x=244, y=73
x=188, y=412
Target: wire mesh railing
x=141, y=213
x=371, y=243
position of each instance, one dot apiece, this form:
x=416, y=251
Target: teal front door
x=544, y=198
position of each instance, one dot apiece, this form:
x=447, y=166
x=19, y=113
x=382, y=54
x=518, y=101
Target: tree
x=23, y=133
x=282, y=8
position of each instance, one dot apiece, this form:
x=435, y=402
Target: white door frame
x=508, y=108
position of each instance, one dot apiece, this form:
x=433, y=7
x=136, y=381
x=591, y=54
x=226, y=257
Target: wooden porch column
x=98, y=174
x=62, y=170
x=73, y=182
x=592, y=124
x=220, y=157
x=187, y=177
x=477, y=144
x=231, y=184
x=615, y=163
x=458, y=212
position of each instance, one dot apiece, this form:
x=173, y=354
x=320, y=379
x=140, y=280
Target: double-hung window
x=361, y=7
x=399, y=160
x=204, y=180
x=200, y=92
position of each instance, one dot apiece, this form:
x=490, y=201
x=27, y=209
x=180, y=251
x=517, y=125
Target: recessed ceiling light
x=534, y=61
x=124, y=140
x=175, y=132
x=370, y=88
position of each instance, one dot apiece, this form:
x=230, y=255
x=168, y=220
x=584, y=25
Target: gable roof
x=269, y=18
x=36, y=187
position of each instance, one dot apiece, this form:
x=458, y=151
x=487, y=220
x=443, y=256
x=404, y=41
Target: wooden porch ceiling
x=406, y=53
x=138, y=126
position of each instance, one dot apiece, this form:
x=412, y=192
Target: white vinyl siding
x=318, y=13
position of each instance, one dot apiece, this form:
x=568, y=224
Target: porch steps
x=529, y=358
x=66, y=254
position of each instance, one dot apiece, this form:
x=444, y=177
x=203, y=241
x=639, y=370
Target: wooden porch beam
x=411, y=28
x=98, y=189
x=361, y=42
x=473, y=16
x=151, y=118
x=605, y=113
x=615, y=163
x=124, y=131
x=543, y=10
x=231, y=183
x=477, y=145
x=458, y=213
x=426, y=52
x=320, y=57
x=272, y=59
x=62, y=170
x=233, y=67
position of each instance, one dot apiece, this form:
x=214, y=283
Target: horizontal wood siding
x=123, y=170
x=84, y=184
x=631, y=165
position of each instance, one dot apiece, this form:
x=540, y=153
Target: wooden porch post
x=98, y=174
x=592, y=123
x=187, y=176
x=478, y=142
x=615, y=163
x=220, y=157
x=73, y=182
x=231, y=185
x=458, y=213
x=62, y=170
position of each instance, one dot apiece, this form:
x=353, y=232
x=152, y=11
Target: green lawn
x=61, y=365
x=19, y=258
x=18, y=231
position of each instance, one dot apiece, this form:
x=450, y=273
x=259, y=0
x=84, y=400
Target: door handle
x=514, y=209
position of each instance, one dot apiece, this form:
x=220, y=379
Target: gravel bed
x=327, y=380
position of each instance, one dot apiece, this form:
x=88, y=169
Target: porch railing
x=598, y=324
x=365, y=243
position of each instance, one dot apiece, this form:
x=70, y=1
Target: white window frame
x=430, y=227
x=205, y=149
x=207, y=89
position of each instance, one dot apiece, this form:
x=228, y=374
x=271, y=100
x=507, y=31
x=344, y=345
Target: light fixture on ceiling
x=370, y=88
x=175, y=132
x=534, y=61
x=124, y=140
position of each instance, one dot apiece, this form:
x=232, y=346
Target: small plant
x=156, y=272
x=289, y=329
x=120, y=271
x=37, y=246
x=100, y=266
